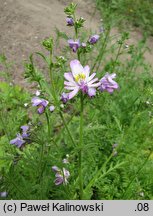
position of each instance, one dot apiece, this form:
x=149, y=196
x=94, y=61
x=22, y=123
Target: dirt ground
x=24, y=23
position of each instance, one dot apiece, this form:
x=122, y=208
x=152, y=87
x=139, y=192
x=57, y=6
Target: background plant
x=138, y=12
x=109, y=171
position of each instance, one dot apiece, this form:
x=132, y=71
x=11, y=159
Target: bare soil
x=25, y=23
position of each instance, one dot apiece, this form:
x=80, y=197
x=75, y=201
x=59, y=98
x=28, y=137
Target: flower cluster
x=41, y=104
x=108, y=84
x=80, y=79
x=78, y=23
x=76, y=44
x=61, y=175
x=21, y=138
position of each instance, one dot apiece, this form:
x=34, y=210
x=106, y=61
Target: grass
x=139, y=13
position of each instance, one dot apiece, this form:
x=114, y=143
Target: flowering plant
x=65, y=147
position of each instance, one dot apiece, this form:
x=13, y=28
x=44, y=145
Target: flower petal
x=69, y=83
x=73, y=93
x=95, y=85
x=92, y=81
x=40, y=109
x=91, y=92
x=24, y=128
x=91, y=77
x=87, y=71
x=13, y=141
x=69, y=77
x=59, y=180
x=36, y=101
x=76, y=67
x=70, y=87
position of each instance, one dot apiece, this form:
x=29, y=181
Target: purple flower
x=74, y=45
x=55, y=169
x=40, y=103
x=79, y=79
x=25, y=128
x=51, y=108
x=92, y=92
x=61, y=175
x=3, y=194
x=18, y=141
x=93, y=39
x=59, y=179
x=108, y=84
x=70, y=21
x=64, y=97
x=21, y=138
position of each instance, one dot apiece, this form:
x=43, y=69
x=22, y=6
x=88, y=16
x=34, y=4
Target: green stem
x=51, y=79
x=56, y=99
x=48, y=124
x=118, y=53
x=65, y=125
x=80, y=147
x=75, y=27
x=101, y=52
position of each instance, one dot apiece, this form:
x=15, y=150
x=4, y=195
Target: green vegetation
x=138, y=12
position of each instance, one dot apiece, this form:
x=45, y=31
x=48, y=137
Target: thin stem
x=56, y=100
x=75, y=27
x=118, y=53
x=80, y=147
x=101, y=52
x=51, y=78
x=65, y=124
x=48, y=124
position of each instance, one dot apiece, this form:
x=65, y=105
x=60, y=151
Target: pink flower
x=64, y=97
x=51, y=108
x=40, y=103
x=61, y=175
x=79, y=79
x=93, y=39
x=108, y=84
x=74, y=45
x=70, y=21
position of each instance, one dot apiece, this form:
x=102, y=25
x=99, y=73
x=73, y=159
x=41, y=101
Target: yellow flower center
x=79, y=77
